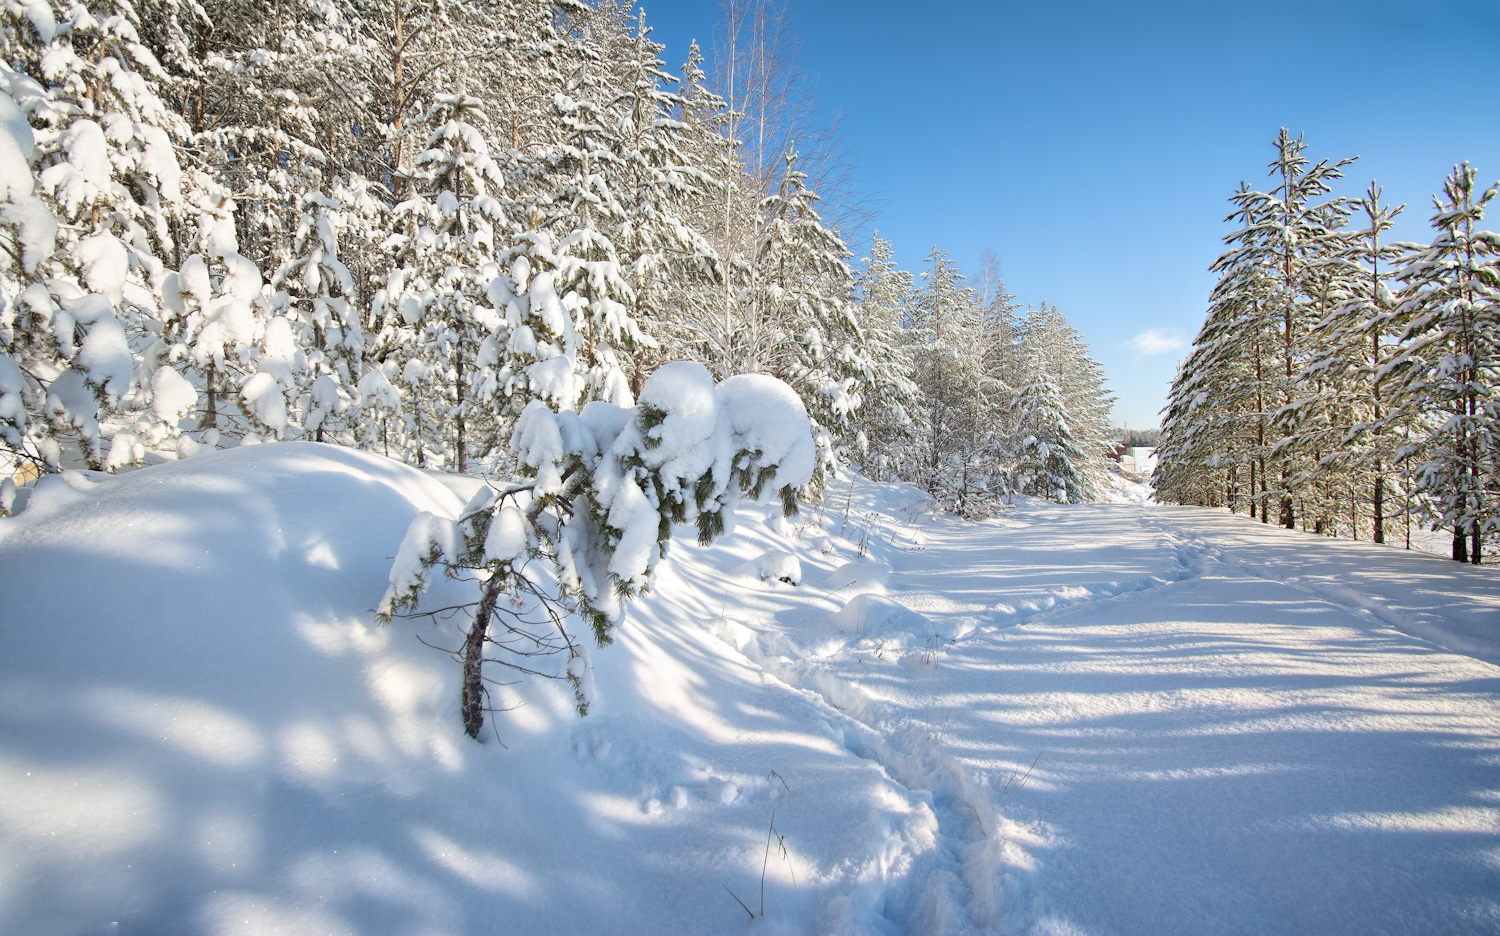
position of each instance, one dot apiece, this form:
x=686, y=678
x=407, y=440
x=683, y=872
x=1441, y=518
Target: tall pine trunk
x=1379, y=499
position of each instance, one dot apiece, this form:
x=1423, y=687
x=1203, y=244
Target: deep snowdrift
x=204, y=732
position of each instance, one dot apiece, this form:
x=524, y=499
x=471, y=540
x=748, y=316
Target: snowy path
x=1227, y=736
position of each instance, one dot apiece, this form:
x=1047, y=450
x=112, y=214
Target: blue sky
x=1093, y=145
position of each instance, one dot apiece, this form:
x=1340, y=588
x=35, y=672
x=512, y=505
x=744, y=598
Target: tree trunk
x=472, y=705
x=211, y=413
x=462, y=441
x=1379, y=535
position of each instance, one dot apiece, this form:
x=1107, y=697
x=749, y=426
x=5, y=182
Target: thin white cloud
x=1154, y=341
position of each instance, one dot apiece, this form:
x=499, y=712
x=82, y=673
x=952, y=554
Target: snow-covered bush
x=585, y=532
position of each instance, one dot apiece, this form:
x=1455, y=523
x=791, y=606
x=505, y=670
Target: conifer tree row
x=1341, y=381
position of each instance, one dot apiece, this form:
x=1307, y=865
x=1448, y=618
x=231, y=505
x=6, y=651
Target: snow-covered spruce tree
x=1046, y=455
x=587, y=530
x=1005, y=355
x=1448, y=369
x=888, y=422
x=803, y=291
x=436, y=320
x=1056, y=355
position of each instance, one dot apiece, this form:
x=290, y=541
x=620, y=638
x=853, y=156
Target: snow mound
x=202, y=730
x=220, y=675
x=858, y=577
x=774, y=566
x=875, y=616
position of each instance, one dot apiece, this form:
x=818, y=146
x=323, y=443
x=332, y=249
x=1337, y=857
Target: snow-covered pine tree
x=1370, y=324
x=1284, y=235
x=701, y=324
x=31, y=356
x=668, y=261
x=270, y=105
x=1448, y=368
x=538, y=360
x=1187, y=463
x=958, y=455
x=588, y=166
x=1217, y=413
x=436, y=321
x=315, y=291
x=1356, y=341
x=1314, y=427
x=105, y=168
x=218, y=328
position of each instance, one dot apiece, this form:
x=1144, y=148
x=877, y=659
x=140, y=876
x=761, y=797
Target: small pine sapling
x=584, y=531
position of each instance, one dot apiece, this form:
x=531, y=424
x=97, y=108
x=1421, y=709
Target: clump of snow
x=104, y=264
x=776, y=566
x=12, y=404
x=15, y=126
x=105, y=358
x=36, y=227
x=768, y=417
x=506, y=539
x=377, y=389
x=428, y=538
x=683, y=394
x=70, y=401
x=263, y=398
x=125, y=449
x=84, y=176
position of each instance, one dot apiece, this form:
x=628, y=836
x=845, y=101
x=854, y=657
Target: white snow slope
x=1115, y=718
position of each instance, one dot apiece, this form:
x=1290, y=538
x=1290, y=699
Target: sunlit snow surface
x=1102, y=719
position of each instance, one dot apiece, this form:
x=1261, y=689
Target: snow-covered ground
x=1117, y=718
